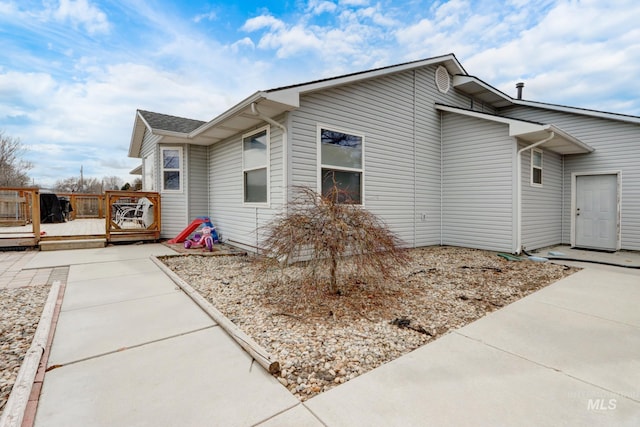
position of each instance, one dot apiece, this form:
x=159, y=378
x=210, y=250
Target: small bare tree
x=325, y=230
x=13, y=170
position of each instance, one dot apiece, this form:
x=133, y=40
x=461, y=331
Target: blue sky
x=73, y=72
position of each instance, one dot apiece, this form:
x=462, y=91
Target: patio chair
x=132, y=216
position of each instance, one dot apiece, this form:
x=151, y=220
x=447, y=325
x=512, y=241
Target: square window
x=341, y=164
x=341, y=149
x=255, y=186
x=347, y=183
x=171, y=168
x=171, y=180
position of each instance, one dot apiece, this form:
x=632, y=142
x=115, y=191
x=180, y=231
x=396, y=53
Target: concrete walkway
x=135, y=351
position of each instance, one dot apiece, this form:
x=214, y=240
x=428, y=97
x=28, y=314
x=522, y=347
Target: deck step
x=59, y=245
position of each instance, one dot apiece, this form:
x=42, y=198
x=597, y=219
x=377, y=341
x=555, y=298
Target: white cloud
x=211, y=16
x=318, y=7
x=354, y=2
x=290, y=42
x=242, y=43
x=84, y=13
x=263, y=21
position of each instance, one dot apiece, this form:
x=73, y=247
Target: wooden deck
x=126, y=216
x=78, y=227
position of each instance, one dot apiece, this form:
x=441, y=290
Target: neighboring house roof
x=561, y=143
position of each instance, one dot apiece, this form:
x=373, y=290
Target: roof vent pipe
x=519, y=87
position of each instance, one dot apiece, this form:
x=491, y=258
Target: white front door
x=597, y=211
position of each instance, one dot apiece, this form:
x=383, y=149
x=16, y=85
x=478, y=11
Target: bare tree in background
x=137, y=184
x=13, y=170
x=112, y=183
x=75, y=184
x=324, y=230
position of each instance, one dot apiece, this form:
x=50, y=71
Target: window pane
x=148, y=182
x=347, y=182
x=255, y=186
x=537, y=159
x=254, y=150
x=171, y=180
x=537, y=176
x=341, y=149
x=171, y=159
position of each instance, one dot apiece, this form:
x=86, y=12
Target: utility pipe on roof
x=285, y=152
x=519, y=195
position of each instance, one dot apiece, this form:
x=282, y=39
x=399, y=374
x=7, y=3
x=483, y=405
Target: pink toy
x=201, y=241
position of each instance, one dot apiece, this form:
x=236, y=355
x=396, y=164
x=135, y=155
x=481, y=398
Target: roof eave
x=575, y=110
x=450, y=62
x=137, y=135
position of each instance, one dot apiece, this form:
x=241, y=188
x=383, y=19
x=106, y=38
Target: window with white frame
x=536, y=167
x=171, y=168
x=255, y=166
x=148, y=183
x=341, y=164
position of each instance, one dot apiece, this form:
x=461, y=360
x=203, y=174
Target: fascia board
x=236, y=109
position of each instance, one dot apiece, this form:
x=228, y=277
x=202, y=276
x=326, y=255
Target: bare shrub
x=330, y=234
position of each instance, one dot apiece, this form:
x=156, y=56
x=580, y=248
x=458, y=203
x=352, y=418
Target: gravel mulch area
x=324, y=340
x=20, y=310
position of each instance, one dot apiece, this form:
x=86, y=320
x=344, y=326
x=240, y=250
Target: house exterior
x=441, y=156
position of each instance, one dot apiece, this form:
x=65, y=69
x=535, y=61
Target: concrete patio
x=132, y=349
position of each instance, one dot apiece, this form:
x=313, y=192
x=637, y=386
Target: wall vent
x=443, y=80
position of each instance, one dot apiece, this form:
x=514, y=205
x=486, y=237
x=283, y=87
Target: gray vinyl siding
x=198, y=182
x=149, y=143
x=236, y=223
x=541, y=206
x=477, y=193
x=401, y=128
x=617, y=148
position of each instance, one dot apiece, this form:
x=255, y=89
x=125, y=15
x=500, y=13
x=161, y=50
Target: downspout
x=285, y=154
x=519, y=198
x=441, y=181
x=415, y=163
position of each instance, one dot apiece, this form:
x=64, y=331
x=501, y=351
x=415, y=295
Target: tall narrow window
x=148, y=179
x=536, y=167
x=341, y=164
x=171, y=168
x=255, y=166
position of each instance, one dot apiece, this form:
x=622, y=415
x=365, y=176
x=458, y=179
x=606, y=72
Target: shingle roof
x=170, y=123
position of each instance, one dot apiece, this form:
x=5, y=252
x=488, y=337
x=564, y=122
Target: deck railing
x=132, y=215
x=129, y=215
x=15, y=206
x=20, y=207
x=85, y=205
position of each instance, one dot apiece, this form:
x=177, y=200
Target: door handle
x=578, y=212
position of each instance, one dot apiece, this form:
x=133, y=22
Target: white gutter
x=285, y=153
x=518, y=248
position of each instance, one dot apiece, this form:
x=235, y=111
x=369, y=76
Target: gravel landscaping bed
x=20, y=310
x=324, y=340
